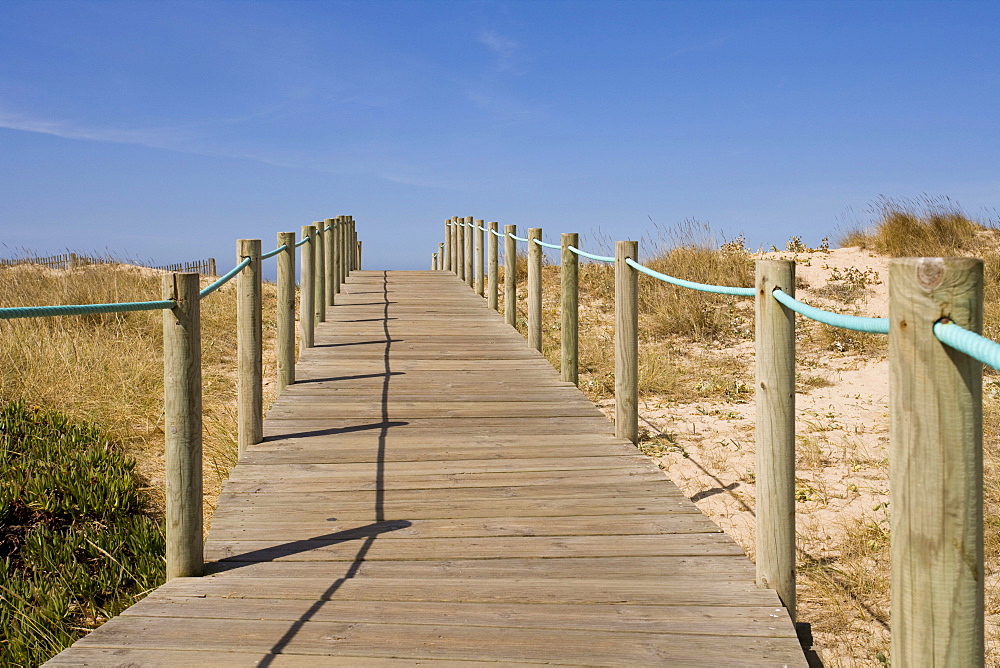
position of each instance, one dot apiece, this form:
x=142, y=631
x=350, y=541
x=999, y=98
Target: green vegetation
x=77, y=545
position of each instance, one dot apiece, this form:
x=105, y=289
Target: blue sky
x=166, y=130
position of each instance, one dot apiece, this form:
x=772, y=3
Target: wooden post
x=319, y=260
x=331, y=251
x=338, y=228
x=307, y=322
x=935, y=465
x=447, y=244
x=570, y=272
x=480, y=259
x=355, y=249
x=626, y=342
x=345, y=264
x=440, y=256
x=182, y=426
x=467, y=252
x=286, y=310
x=249, y=347
x=211, y=267
x=493, y=270
x=534, y=289
x=775, y=431
x=457, y=262
x=510, y=274
x=434, y=261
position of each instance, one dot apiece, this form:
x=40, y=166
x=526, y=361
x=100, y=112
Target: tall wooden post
x=319, y=258
x=570, y=271
x=440, y=256
x=493, y=270
x=480, y=259
x=626, y=342
x=355, y=248
x=338, y=230
x=470, y=278
x=458, y=259
x=447, y=244
x=331, y=251
x=182, y=426
x=307, y=320
x=286, y=310
x=249, y=347
x=510, y=274
x=775, y=431
x=434, y=261
x=534, y=289
x=358, y=263
x=935, y=465
x=345, y=268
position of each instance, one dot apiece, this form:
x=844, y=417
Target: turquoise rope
x=274, y=252
x=224, y=279
x=853, y=322
x=498, y=235
x=515, y=238
x=481, y=228
x=542, y=243
x=305, y=240
x=975, y=346
x=704, y=287
x=599, y=258
x=82, y=309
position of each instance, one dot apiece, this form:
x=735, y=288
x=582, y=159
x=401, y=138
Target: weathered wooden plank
x=430, y=492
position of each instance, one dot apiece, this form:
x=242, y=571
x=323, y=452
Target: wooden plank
x=430, y=492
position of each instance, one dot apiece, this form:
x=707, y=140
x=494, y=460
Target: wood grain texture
x=249, y=347
x=493, y=269
x=430, y=491
x=307, y=294
x=480, y=258
x=626, y=342
x=182, y=425
x=286, y=311
x=510, y=275
x=935, y=465
x=319, y=266
x=569, y=282
x=775, y=430
x=535, y=289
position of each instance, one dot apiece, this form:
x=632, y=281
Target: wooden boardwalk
x=431, y=493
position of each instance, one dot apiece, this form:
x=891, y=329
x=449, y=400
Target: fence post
x=359, y=253
x=211, y=267
x=342, y=247
x=338, y=229
x=480, y=259
x=319, y=266
x=434, y=261
x=535, y=289
x=249, y=347
x=457, y=263
x=626, y=342
x=331, y=251
x=510, y=275
x=935, y=465
x=775, y=431
x=570, y=272
x=493, y=270
x=307, y=321
x=470, y=278
x=440, y=257
x=447, y=245
x=286, y=310
x=352, y=243
x=182, y=426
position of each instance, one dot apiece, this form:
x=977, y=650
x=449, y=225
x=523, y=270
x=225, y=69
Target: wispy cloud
x=150, y=137
x=505, y=49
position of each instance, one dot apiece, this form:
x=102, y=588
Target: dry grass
x=108, y=369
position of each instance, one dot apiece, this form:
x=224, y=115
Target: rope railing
x=680, y=282
x=11, y=313
x=209, y=289
x=936, y=416
x=852, y=322
x=591, y=256
x=335, y=253
x=974, y=345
